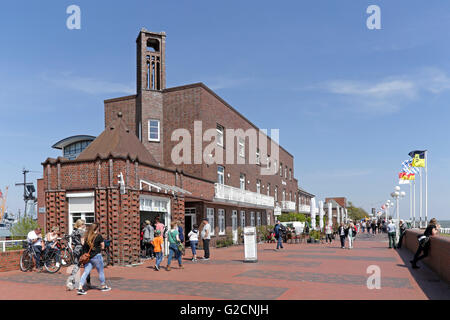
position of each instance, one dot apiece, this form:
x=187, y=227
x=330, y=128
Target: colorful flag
x=418, y=158
x=407, y=166
x=403, y=181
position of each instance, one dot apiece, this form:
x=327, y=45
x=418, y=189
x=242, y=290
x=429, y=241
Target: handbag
x=85, y=257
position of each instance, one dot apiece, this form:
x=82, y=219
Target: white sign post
x=250, y=245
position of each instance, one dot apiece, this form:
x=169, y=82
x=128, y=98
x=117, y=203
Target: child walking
x=193, y=240
x=157, y=248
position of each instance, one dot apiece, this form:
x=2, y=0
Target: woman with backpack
x=174, y=245
x=424, y=242
x=93, y=244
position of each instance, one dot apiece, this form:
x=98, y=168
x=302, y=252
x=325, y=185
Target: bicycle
x=67, y=256
x=49, y=259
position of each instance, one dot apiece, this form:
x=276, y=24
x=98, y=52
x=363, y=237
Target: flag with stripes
x=408, y=168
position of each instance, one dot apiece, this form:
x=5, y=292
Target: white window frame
x=276, y=193
x=268, y=189
x=290, y=174
x=285, y=172
x=242, y=179
x=220, y=135
x=242, y=219
x=221, y=221
x=242, y=147
x=220, y=174
x=268, y=162
x=258, y=156
x=281, y=169
x=210, y=216
x=258, y=219
x=252, y=218
x=268, y=219
x=283, y=195
x=258, y=186
x=159, y=130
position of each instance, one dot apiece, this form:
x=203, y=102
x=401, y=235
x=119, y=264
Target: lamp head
x=397, y=188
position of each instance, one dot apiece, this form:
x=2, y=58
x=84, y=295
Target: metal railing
x=288, y=205
x=4, y=244
x=225, y=192
x=304, y=208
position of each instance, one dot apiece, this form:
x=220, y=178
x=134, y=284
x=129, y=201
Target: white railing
x=230, y=193
x=304, y=208
x=10, y=243
x=445, y=230
x=288, y=205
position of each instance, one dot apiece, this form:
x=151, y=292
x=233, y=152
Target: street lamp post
x=397, y=194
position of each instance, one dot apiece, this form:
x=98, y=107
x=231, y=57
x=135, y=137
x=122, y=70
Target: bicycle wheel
x=66, y=257
x=26, y=261
x=51, y=262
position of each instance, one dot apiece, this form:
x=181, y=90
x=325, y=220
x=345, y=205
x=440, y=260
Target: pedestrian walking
x=93, y=244
x=342, y=231
x=328, y=233
x=193, y=241
x=374, y=227
x=424, y=242
x=148, y=236
x=403, y=228
x=351, y=234
x=278, y=235
x=206, y=237
x=79, y=229
x=379, y=226
x=391, y=229
x=363, y=226
x=180, y=231
x=369, y=226
x=174, y=242
x=158, y=248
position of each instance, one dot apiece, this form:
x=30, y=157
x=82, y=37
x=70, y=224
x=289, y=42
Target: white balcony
x=305, y=208
x=229, y=193
x=287, y=206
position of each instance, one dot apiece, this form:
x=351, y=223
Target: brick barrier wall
x=439, y=255
x=9, y=260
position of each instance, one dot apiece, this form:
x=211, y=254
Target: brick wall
x=126, y=105
x=439, y=255
x=9, y=260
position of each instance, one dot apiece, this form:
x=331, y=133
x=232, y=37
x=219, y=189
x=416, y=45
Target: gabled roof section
x=118, y=141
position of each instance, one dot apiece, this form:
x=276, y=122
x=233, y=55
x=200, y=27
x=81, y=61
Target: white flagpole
x=410, y=201
x=420, y=198
x=414, y=204
x=426, y=188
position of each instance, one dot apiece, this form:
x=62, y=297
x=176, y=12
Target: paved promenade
x=300, y=271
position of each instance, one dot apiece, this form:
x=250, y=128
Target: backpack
x=282, y=229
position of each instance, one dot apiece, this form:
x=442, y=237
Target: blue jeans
x=173, y=251
x=97, y=262
x=280, y=242
x=48, y=249
x=37, y=255
x=194, y=247
x=159, y=257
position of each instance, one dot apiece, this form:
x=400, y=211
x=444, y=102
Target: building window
x=268, y=219
x=276, y=193
x=290, y=174
x=242, y=181
x=285, y=172
x=242, y=220
x=290, y=196
x=153, y=130
x=219, y=135
x=275, y=164
x=73, y=150
x=252, y=219
x=258, y=186
x=242, y=147
x=268, y=189
x=220, y=175
x=258, y=219
x=210, y=216
x=258, y=157
x=221, y=218
x=268, y=161
x=281, y=169
x=284, y=195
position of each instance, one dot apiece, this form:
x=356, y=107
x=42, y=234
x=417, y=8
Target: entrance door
x=234, y=226
x=190, y=219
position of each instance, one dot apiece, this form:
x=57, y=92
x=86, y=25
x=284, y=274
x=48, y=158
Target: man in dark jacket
x=278, y=235
x=180, y=231
x=342, y=232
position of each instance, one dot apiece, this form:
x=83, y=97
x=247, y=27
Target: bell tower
x=151, y=67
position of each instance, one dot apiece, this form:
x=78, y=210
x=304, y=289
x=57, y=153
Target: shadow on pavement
x=430, y=283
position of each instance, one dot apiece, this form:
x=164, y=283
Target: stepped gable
x=118, y=141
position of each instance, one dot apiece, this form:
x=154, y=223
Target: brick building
x=230, y=195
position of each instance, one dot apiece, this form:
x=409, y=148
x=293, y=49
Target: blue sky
x=350, y=102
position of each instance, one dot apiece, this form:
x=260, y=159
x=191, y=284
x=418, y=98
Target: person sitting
x=34, y=238
x=424, y=242
x=51, y=239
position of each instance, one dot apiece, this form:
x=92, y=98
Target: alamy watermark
x=235, y=140
x=374, y=280
x=74, y=20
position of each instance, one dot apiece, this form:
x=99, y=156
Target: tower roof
x=118, y=141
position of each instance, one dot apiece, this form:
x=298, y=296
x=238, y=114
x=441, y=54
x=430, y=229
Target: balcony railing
x=287, y=206
x=304, y=208
x=230, y=193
